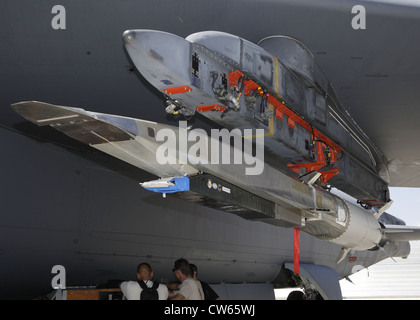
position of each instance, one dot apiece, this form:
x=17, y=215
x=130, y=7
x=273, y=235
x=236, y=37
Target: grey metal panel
x=293, y=52
x=213, y=192
x=360, y=182
x=294, y=93
x=79, y=125
x=324, y=278
x=245, y=291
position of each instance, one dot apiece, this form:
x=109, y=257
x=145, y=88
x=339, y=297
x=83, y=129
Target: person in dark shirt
x=209, y=293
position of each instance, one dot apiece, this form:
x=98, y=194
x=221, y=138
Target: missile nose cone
x=128, y=36
x=159, y=56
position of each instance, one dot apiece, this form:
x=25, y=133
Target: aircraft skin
x=64, y=203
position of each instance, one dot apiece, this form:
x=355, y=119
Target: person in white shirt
x=189, y=289
x=132, y=290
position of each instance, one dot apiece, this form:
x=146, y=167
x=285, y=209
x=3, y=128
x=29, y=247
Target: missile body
x=184, y=153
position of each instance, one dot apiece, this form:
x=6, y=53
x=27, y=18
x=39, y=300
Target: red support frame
x=251, y=87
x=211, y=107
x=296, y=249
x=177, y=90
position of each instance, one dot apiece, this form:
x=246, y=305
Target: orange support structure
x=322, y=161
x=251, y=87
x=296, y=249
x=177, y=90
x=211, y=107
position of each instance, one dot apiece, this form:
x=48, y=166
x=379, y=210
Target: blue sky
x=406, y=205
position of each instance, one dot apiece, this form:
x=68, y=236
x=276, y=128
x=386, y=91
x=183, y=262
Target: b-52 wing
x=401, y=233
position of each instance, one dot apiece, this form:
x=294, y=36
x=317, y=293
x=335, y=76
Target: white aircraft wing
x=401, y=233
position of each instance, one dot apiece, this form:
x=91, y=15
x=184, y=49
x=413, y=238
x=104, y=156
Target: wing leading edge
x=124, y=138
